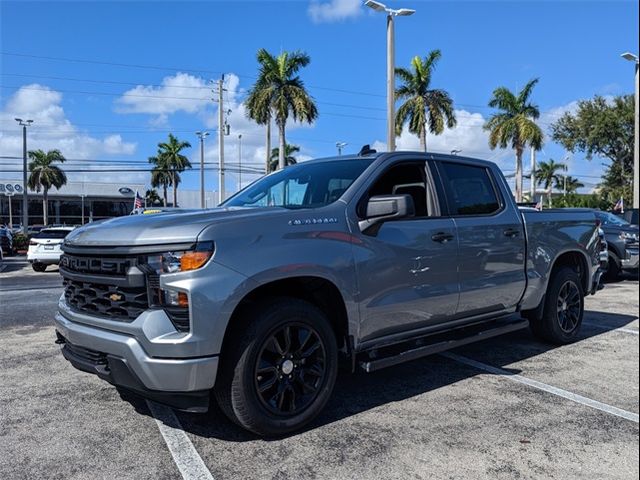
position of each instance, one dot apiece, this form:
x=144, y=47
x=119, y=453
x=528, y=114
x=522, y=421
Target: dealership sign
x=9, y=189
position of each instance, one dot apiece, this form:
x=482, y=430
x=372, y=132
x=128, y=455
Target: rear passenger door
x=491, y=243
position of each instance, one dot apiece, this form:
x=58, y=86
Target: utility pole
x=202, y=136
x=533, y=174
x=221, y=131
x=239, y=161
x=25, y=195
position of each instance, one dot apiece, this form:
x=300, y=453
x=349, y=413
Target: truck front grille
x=117, y=303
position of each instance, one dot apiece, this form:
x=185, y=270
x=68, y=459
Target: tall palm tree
x=289, y=159
x=547, y=175
x=515, y=125
x=160, y=177
x=569, y=184
x=173, y=161
x=423, y=107
x=279, y=93
x=151, y=197
x=44, y=175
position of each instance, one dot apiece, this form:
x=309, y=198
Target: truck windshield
x=305, y=185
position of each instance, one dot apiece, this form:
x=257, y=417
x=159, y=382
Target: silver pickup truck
x=365, y=261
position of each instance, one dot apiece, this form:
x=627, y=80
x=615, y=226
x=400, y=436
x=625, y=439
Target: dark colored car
x=6, y=240
x=622, y=239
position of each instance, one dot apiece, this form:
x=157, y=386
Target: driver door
x=407, y=270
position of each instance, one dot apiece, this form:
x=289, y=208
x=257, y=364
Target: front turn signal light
x=194, y=260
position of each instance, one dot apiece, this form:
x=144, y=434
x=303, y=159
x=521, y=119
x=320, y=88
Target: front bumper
x=180, y=382
x=631, y=259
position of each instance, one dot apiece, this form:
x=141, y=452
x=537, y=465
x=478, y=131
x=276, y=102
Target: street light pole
x=636, y=137
x=25, y=195
x=239, y=161
x=340, y=146
x=202, y=136
x=391, y=100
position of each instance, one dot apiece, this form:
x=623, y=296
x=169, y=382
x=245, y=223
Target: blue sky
x=102, y=111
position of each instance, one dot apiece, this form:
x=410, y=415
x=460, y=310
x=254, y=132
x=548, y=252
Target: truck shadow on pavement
x=360, y=392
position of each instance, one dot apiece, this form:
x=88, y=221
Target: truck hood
x=159, y=228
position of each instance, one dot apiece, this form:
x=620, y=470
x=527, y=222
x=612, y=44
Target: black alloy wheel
x=569, y=306
x=290, y=369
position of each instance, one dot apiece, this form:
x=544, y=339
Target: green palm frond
x=423, y=108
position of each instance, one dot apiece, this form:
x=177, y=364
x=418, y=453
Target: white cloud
x=51, y=128
x=334, y=10
x=181, y=92
x=467, y=136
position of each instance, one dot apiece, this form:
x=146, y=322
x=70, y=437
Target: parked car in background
x=33, y=229
x=6, y=240
x=622, y=243
x=44, y=247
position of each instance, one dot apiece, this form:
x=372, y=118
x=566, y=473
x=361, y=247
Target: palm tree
x=160, y=177
x=173, y=162
x=515, y=125
x=548, y=176
x=423, y=107
x=289, y=159
x=151, y=197
x=571, y=184
x=279, y=92
x=44, y=175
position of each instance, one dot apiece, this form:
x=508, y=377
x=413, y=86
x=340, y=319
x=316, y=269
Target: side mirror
x=383, y=208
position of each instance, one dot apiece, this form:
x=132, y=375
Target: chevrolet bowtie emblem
x=115, y=297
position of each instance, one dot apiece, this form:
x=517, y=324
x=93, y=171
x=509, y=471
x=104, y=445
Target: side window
x=404, y=179
x=470, y=190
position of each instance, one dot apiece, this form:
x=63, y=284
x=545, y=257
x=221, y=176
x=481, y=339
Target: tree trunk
x=423, y=138
x=281, y=153
x=518, y=174
x=164, y=192
x=175, y=189
x=268, y=147
x=45, y=210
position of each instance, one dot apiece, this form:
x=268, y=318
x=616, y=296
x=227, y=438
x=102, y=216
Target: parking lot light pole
x=636, y=137
x=340, y=146
x=391, y=89
x=202, y=136
x=25, y=195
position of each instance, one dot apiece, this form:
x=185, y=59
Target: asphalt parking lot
x=509, y=407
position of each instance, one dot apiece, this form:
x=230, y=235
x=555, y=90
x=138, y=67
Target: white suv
x=44, y=247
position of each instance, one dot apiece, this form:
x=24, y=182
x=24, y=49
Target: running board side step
x=419, y=348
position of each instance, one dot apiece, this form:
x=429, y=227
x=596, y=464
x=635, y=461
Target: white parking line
x=547, y=388
x=604, y=327
x=182, y=450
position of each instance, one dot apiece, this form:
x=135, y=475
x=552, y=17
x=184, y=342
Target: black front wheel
x=278, y=368
x=563, y=308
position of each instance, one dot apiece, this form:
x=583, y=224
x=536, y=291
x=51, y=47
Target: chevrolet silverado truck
x=364, y=261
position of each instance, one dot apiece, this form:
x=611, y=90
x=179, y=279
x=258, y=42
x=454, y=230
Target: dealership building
x=81, y=202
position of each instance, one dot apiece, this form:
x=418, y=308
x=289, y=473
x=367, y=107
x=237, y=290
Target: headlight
x=629, y=237
x=183, y=261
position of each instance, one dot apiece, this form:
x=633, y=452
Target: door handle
x=442, y=237
x=511, y=232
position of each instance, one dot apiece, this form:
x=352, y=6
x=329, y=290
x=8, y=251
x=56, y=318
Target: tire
x=38, y=267
x=293, y=385
x=563, y=309
x=613, y=268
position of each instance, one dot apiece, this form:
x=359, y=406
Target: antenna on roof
x=366, y=150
